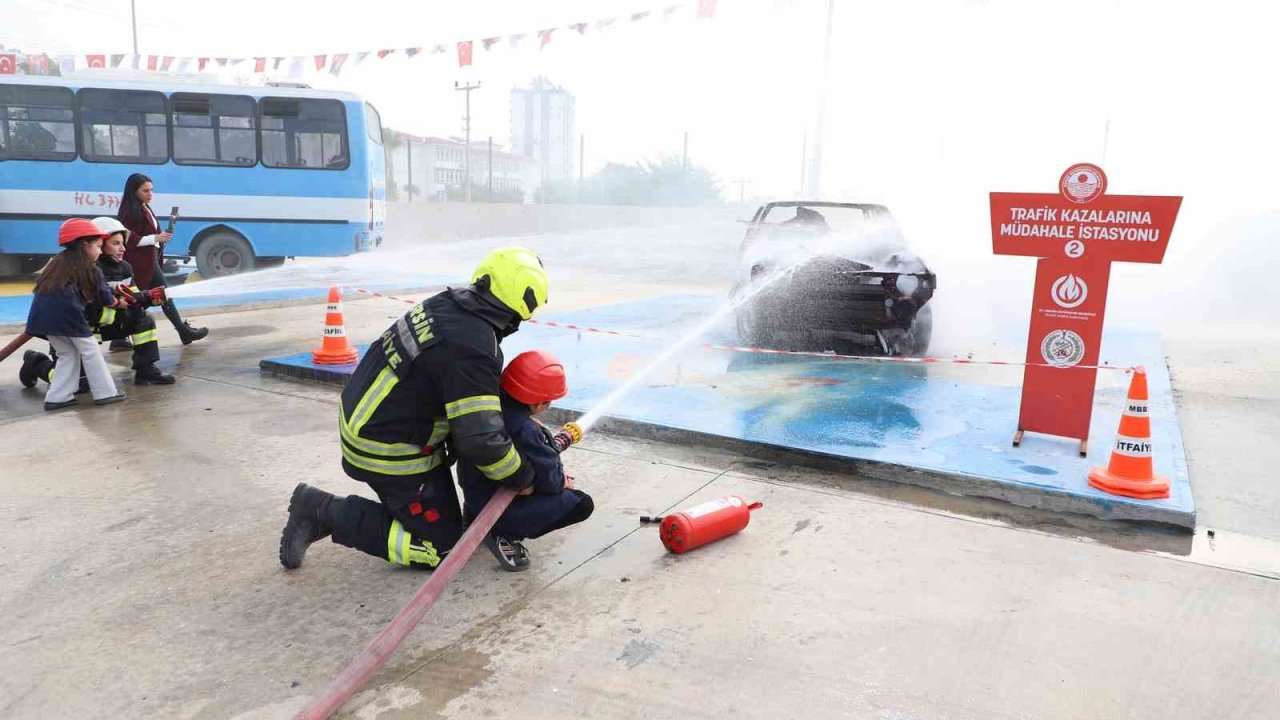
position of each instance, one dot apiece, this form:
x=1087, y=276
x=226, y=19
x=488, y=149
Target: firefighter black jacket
x=431, y=381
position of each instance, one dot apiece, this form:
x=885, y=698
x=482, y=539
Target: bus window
x=304, y=133
x=124, y=126
x=214, y=130
x=373, y=123
x=37, y=123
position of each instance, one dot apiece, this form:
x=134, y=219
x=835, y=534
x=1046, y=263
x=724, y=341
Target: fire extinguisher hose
x=354, y=676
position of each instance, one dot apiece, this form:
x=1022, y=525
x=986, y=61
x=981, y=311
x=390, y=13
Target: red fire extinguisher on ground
x=694, y=527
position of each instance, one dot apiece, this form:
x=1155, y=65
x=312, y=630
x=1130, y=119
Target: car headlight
x=908, y=284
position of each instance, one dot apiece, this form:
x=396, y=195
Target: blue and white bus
x=259, y=174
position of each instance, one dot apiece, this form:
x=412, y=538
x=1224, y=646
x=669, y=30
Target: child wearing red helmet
x=529, y=383
x=70, y=282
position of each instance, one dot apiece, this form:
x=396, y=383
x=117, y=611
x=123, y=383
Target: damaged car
x=831, y=276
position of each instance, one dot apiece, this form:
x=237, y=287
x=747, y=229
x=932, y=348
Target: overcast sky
x=931, y=103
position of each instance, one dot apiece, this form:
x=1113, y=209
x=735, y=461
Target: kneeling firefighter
x=425, y=391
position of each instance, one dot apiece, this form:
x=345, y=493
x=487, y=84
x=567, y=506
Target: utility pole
x=408, y=154
x=490, y=168
x=815, y=165
x=582, y=155
x=684, y=164
x=133, y=13
x=467, y=132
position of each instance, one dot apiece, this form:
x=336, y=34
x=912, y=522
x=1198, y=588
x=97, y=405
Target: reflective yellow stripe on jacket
x=386, y=458
x=504, y=468
x=473, y=404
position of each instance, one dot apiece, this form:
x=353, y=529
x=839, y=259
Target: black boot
x=310, y=519
x=32, y=360
x=151, y=375
x=120, y=346
x=186, y=332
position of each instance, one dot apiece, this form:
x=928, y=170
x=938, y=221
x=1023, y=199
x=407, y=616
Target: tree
x=480, y=193
x=663, y=181
x=390, y=143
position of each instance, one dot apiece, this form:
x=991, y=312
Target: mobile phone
x=173, y=219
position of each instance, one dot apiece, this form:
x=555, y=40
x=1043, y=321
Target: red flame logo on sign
x=1069, y=291
x=1083, y=183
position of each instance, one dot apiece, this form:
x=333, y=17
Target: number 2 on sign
x=1075, y=249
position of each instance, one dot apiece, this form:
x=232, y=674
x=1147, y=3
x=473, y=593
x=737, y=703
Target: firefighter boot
x=151, y=375
x=186, y=331
x=310, y=519
x=120, y=345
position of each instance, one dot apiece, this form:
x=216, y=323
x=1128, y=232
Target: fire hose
x=360, y=669
x=13, y=345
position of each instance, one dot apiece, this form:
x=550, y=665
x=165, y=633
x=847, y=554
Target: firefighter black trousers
x=417, y=522
x=135, y=324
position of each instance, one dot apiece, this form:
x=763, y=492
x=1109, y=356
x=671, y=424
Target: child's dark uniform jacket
x=63, y=312
x=529, y=515
x=132, y=322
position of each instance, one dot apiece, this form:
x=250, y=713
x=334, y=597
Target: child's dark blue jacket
x=529, y=515
x=62, y=311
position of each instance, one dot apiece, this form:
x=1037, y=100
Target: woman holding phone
x=144, y=249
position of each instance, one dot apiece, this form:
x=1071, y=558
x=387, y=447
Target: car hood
x=881, y=250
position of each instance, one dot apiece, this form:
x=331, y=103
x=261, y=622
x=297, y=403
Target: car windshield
x=840, y=219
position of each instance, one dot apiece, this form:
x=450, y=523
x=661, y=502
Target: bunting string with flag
x=13, y=63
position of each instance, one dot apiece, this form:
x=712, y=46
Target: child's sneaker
x=108, y=400
x=510, y=553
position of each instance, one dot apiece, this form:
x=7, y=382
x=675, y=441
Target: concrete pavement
x=139, y=579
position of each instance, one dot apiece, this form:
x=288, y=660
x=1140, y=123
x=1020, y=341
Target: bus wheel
x=224, y=254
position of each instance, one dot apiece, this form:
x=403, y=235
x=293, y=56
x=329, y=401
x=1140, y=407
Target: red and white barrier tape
x=801, y=353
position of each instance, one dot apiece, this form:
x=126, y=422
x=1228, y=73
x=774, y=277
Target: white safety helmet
x=109, y=226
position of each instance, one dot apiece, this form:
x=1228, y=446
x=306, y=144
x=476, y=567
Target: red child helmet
x=77, y=228
x=533, y=377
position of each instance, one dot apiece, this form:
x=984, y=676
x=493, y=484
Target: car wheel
x=922, y=331
x=224, y=253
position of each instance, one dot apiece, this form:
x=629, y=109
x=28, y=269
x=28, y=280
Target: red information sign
x=1077, y=233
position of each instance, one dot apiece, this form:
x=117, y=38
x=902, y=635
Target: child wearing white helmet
x=118, y=323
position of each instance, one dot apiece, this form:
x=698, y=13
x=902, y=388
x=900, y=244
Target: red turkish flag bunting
x=96, y=61
x=8, y=64
x=201, y=63
x=320, y=61
x=384, y=53
x=260, y=65
x=38, y=64
x=546, y=37
x=153, y=61
x=706, y=8
x=464, y=53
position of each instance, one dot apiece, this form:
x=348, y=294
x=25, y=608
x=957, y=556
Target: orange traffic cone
x=1130, y=472
x=335, y=350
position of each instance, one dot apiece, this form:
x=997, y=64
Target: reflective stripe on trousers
x=402, y=549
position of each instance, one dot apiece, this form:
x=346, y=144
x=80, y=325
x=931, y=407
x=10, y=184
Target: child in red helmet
x=530, y=382
x=70, y=282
